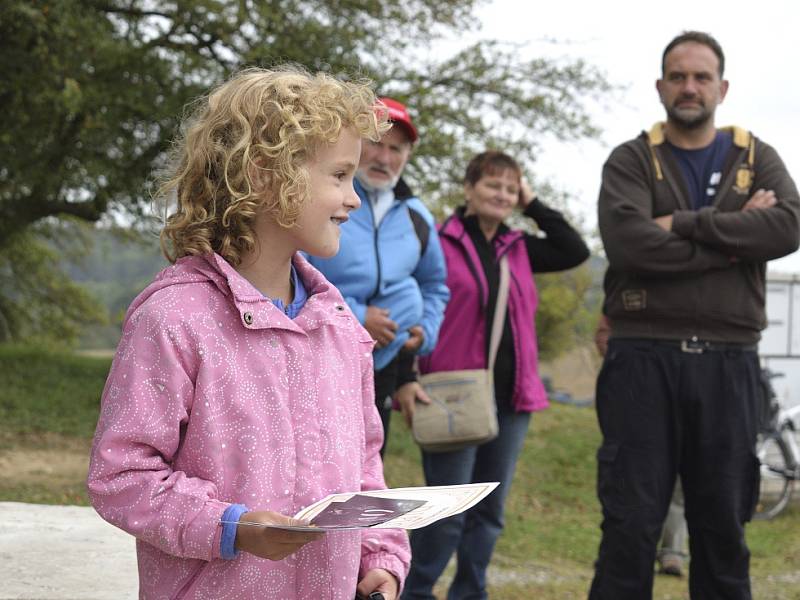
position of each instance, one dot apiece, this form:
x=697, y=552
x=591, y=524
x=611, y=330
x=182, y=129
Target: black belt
x=697, y=346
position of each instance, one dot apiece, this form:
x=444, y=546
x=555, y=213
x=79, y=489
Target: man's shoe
x=671, y=565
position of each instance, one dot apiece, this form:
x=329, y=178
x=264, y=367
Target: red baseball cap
x=398, y=113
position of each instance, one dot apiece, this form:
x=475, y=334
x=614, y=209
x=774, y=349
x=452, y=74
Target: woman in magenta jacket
x=473, y=239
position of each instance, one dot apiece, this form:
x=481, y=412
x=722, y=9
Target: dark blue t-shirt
x=702, y=168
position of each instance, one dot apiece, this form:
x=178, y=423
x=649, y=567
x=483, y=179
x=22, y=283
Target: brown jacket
x=706, y=277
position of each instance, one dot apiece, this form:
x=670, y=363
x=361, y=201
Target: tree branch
x=88, y=210
x=129, y=11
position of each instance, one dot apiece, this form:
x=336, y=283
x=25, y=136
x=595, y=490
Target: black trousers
x=664, y=413
x=386, y=382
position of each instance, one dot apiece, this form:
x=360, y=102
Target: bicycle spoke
x=776, y=476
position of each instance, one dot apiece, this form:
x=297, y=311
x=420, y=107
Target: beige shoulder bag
x=462, y=411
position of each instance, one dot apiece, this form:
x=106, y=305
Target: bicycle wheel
x=775, y=488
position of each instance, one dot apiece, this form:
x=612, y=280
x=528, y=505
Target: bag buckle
x=693, y=346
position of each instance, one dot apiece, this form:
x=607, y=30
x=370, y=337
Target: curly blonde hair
x=244, y=149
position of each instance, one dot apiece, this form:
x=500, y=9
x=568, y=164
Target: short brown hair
x=490, y=161
x=699, y=38
x=244, y=149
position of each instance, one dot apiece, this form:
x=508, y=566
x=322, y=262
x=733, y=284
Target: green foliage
x=85, y=107
x=45, y=391
x=486, y=96
x=118, y=258
x=118, y=265
x=38, y=300
x=92, y=91
x=563, y=316
x=50, y=400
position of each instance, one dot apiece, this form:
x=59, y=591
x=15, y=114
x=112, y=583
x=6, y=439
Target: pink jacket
x=216, y=397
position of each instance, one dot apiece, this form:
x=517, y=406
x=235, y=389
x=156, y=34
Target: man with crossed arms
x=689, y=214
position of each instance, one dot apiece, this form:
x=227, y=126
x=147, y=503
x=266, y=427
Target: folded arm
x=633, y=241
x=767, y=227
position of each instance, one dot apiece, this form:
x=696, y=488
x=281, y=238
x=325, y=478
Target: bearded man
x=689, y=215
x=390, y=267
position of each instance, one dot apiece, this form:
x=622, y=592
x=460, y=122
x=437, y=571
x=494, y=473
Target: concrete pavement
x=63, y=553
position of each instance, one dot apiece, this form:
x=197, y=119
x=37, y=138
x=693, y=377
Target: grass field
x=48, y=409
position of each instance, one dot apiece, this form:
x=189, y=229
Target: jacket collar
x=324, y=305
x=401, y=189
x=655, y=137
x=456, y=227
x=741, y=137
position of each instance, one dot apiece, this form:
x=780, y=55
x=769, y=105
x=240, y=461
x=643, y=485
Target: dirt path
x=53, y=460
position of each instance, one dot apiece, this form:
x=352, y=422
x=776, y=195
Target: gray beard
x=689, y=123
x=379, y=187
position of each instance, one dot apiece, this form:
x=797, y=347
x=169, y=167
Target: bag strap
x=499, y=312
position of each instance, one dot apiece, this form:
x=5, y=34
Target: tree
x=91, y=90
x=39, y=301
x=563, y=317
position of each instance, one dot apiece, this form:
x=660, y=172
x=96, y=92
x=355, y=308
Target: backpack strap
x=421, y=229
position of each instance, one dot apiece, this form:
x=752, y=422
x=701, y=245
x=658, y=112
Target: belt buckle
x=692, y=346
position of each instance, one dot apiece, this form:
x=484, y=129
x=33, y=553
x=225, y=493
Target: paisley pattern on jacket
x=216, y=397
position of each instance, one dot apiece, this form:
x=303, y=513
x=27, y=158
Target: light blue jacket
x=388, y=267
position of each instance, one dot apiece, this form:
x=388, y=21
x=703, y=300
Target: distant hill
x=121, y=264
x=117, y=269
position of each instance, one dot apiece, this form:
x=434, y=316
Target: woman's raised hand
x=526, y=194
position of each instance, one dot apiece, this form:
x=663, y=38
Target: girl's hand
x=268, y=542
x=378, y=580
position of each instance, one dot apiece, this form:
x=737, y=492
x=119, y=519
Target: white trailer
x=780, y=341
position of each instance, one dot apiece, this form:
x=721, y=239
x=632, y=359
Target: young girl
x=242, y=386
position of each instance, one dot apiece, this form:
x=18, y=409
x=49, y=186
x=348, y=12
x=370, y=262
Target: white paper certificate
x=438, y=502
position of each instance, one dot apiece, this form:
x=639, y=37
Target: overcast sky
x=626, y=38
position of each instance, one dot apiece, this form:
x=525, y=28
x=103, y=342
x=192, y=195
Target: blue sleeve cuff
x=230, y=517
